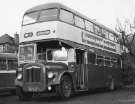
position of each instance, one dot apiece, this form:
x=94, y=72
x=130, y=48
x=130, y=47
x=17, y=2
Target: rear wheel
x=64, y=90
x=23, y=96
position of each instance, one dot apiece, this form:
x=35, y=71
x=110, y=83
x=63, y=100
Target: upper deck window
x=111, y=36
x=79, y=22
x=66, y=16
x=105, y=33
x=115, y=38
x=30, y=18
x=43, y=15
x=89, y=26
x=47, y=15
x=97, y=30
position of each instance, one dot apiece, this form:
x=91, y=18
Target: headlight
x=19, y=76
x=51, y=74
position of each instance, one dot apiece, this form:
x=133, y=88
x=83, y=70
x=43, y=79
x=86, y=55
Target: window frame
x=95, y=26
x=53, y=60
x=110, y=36
x=89, y=61
x=44, y=11
x=114, y=61
x=106, y=33
x=39, y=12
x=107, y=59
x=98, y=57
x=87, y=21
x=79, y=21
x=65, y=21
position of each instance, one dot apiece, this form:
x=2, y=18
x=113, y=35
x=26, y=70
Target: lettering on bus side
x=90, y=39
x=109, y=45
x=99, y=42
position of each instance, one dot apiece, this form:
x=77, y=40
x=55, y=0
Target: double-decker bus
x=62, y=51
x=8, y=67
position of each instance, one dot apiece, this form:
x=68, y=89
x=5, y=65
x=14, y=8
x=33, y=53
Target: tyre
x=64, y=90
x=23, y=96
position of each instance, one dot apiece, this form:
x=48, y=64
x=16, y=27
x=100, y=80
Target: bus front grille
x=32, y=75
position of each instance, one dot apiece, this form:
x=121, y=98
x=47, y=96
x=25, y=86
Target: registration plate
x=33, y=89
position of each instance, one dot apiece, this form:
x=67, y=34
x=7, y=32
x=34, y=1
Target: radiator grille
x=32, y=75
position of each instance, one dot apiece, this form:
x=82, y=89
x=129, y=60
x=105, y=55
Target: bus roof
x=58, y=5
x=8, y=55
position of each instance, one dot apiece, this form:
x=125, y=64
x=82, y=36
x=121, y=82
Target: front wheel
x=64, y=90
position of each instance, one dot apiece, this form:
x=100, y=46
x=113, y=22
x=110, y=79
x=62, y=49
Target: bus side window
x=89, y=26
x=47, y=15
x=91, y=58
x=100, y=60
x=66, y=16
x=118, y=62
x=114, y=62
x=79, y=22
x=105, y=33
x=97, y=30
x=107, y=61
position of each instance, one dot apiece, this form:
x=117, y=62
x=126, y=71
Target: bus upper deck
x=56, y=21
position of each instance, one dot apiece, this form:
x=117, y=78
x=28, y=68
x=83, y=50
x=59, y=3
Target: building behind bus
x=8, y=63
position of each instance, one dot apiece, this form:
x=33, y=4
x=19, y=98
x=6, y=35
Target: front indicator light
x=19, y=76
x=49, y=88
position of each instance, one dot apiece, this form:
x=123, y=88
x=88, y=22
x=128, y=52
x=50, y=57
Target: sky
x=106, y=12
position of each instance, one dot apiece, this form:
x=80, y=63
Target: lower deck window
x=100, y=60
x=91, y=58
x=107, y=61
x=114, y=62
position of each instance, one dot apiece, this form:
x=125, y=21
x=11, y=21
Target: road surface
x=120, y=96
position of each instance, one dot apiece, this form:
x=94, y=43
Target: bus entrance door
x=82, y=74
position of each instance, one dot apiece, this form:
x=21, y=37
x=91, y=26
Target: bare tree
x=127, y=35
x=127, y=39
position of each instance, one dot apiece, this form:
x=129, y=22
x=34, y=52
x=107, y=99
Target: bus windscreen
x=26, y=53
